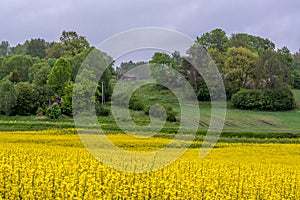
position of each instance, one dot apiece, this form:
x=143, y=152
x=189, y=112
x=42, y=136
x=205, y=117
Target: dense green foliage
x=136, y=104
x=37, y=74
x=8, y=97
x=256, y=76
x=279, y=99
x=53, y=112
x=101, y=110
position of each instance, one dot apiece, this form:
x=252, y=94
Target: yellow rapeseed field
x=55, y=165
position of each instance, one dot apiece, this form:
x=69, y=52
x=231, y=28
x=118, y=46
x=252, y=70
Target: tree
x=199, y=69
x=100, y=65
x=14, y=76
x=59, y=76
x=176, y=57
x=35, y=68
x=55, y=50
x=190, y=64
x=219, y=58
x=85, y=88
x=296, y=61
x=215, y=39
x=296, y=70
x=1, y=61
x=20, y=63
x=66, y=104
x=72, y=43
x=254, y=43
x=161, y=69
x=26, y=99
x=19, y=49
x=287, y=64
x=51, y=61
x=296, y=80
x=76, y=62
x=4, y=48
x=8, y=97
x=275, y=70
x=125, y=67
x=37, y=48
x=241, y=68
x=40, y=76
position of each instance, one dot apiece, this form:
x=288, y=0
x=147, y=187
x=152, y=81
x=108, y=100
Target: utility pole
x=102, y=91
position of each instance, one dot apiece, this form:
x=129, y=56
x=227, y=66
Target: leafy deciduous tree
x=241, y=68
x=215, y=39
x=59, y=76
x=37, y=48
x=73, y=43
x=26, y=99
x=8, y=97
x=20, y=63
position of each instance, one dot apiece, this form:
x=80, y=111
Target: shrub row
x=274, y=100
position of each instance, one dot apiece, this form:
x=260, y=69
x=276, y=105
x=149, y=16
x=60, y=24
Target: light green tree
x=215, y=39
x=66, y=104
x=240, y=69
x=59, y=77
x=73, y=43
x=33, y=70
x=85, y=89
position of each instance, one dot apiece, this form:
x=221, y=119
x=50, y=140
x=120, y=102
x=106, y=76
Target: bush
x=171, y=115
x=102, y=111
x=276, y=100
x=54, y=111
x=203, y=93
x=40, y=111
x=279, y=99
x=136, y=104
x=247, y=99
x=158, y=112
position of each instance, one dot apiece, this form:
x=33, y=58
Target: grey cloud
x=97, y=20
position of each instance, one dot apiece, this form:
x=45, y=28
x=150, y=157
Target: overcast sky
x=98, y=19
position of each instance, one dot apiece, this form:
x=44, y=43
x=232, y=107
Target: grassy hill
x=239, y=123
x=236, y=120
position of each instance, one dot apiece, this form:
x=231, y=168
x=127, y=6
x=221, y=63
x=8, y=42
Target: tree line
x=256, y=75
x=37, y=77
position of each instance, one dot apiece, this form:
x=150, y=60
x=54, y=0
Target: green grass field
x=239, y=123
